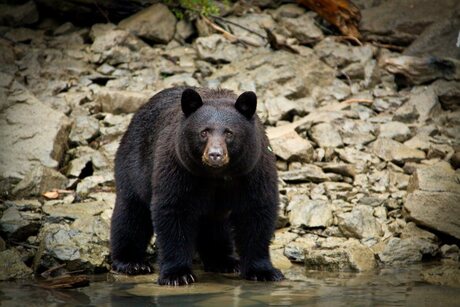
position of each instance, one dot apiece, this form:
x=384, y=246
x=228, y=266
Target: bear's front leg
x=176, y=233
x=253, y=232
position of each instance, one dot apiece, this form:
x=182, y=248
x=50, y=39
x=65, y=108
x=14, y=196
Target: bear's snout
x=215, y=155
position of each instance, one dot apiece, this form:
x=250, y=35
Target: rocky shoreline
x=367, y=137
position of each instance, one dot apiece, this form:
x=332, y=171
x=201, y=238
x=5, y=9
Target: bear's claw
x=177, y=279
x=132, y=268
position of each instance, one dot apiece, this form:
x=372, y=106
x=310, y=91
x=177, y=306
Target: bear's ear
x=190, y=101
x=246, y=104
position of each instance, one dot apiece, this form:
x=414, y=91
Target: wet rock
x=325, y=135
x=307, y=173
x=350, y=256
x=19, y=225
x=116, y=102
x=2, y=244
x=288, y=145
x=390, y=150
x=395, y=130
x=84, y=129
x=400, y=22
x=155, y=23
x=32, y=134
x=444, y=275
x=12, y=266
x=279, y=260
x=432, y=202
x=359, y=223
x=303, y=28
x=216, y=49
x=18, y=15
x=439, y=39
x=404, y=251
x=38, y=181
x=451, y=252
x=81, y=249
x=309, y=213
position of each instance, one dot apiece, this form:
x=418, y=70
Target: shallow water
x=390, y=287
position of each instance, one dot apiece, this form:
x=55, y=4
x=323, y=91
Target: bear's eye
x=228, y=134
x=204, y=133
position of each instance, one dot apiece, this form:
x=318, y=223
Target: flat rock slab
x=31, y=134
x=436, y=210
x=390, y=150
x=434, y=199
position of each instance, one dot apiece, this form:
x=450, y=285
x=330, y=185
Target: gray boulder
x=32, y=135
x=401, y=22
x=434, y=199
x=155, y=23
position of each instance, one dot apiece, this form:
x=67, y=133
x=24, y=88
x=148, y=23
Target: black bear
x=195, y=166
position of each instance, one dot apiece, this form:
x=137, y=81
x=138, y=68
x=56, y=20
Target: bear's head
x=219, y=136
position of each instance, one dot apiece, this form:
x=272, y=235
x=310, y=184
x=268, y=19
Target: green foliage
x=202, y=7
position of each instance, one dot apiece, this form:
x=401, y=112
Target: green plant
x=201, y=7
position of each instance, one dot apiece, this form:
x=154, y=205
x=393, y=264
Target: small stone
x=216, y=49
x=343, y=169
x=303, y=28
x=359, y=223
x=390, y=150
x=395, y=130
x=287, y=144
x=155, y=23
x=38, y=181
x=84, y=129
x=309, y=213
x=116, y=102
x=281, y=108
x=308, y=173
x=325, y=135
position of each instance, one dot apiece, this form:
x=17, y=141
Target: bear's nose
x=215, y=154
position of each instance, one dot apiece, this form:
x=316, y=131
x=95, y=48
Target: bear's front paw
x=228, y=265
x=180, y=278
x=132, y=268
x=266, y=274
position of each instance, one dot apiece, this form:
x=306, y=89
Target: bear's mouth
x=215, y=163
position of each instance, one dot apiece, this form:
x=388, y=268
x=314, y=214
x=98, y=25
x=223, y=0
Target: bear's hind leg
x=131, y=232
x=215, y=246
